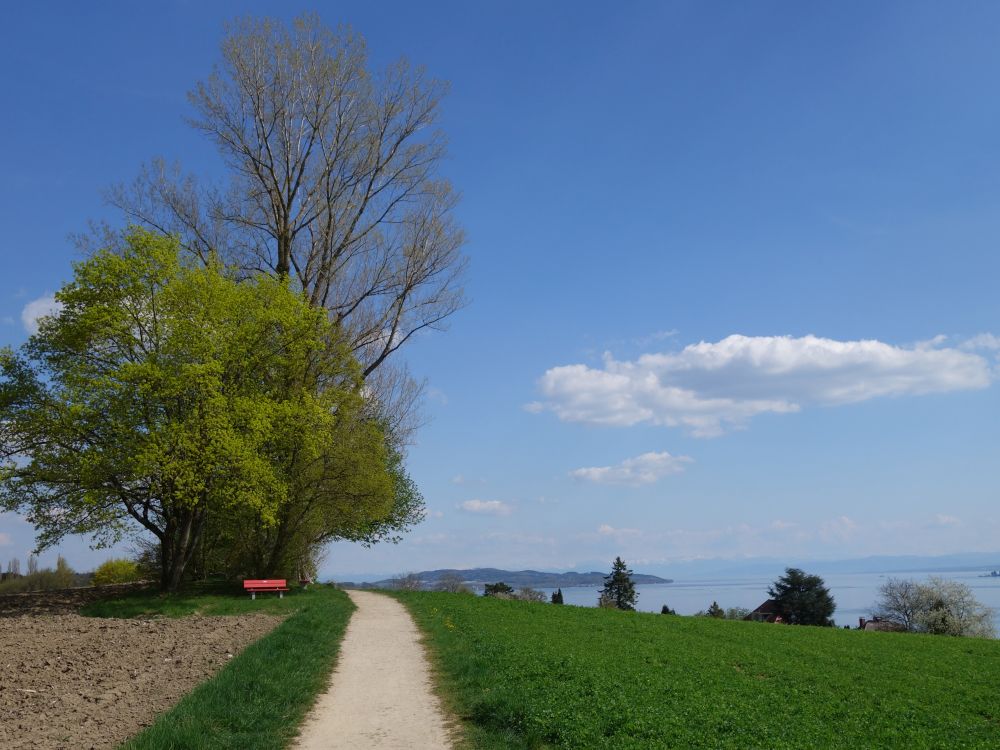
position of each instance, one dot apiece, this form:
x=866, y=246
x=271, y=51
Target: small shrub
x=116, y=571
x=499, y=589
x=528, y=594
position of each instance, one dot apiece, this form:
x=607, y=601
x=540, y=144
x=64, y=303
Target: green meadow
x=525, y=675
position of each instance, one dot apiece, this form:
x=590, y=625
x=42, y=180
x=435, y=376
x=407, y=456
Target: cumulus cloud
x=708, y=388
x=982, y=341
x=608, y=530
x=488, y=507
x=645, y=469
x=38, y=308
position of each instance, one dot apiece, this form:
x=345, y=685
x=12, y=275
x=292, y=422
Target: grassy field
x=258, y=700
x=528, y=675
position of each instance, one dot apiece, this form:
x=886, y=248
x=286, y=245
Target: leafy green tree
x=168, y=395
x=557, y=596
x=665, y=610
x=715, y=611
x=619, y=590
x=499, y=589
x=803, y=598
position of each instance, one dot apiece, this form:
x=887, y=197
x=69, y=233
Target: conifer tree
x=557, y=596
x=619, y=590
x=715, y=611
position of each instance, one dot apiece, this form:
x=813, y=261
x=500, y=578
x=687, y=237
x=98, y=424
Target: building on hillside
x=877, y=623
x=769, y=611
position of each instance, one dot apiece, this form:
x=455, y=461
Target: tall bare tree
x=333, y=181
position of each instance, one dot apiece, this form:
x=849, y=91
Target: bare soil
x=75, y=682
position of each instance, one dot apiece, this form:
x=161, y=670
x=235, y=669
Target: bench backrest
x=266, y=583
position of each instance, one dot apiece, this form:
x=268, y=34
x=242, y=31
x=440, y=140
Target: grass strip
x=210, y=599
x=527, y=675
x=258, y=700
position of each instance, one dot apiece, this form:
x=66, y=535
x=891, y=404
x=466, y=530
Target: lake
x=854, y=593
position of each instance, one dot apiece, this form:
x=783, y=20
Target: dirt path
x=380, y=694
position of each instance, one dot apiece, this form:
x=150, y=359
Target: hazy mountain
x=516, y=578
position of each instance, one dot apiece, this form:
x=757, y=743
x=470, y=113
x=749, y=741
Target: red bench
x=265, y=585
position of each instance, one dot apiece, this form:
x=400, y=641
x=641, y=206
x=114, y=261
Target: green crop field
x=525, y=675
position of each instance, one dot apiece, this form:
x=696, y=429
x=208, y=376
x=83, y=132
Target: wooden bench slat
x=265, y=584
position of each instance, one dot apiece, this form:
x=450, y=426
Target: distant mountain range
x=515, y=578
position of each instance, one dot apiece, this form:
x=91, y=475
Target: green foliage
x=715, y=611
x=116, y=570
x=216, y=414
x=524, y=676
x=619, y=590
x=665, y=610
x=259, y=699
x=803, y=598
x=557, y=596
x=498, y=589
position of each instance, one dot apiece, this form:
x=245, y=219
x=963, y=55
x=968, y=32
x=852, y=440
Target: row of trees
x=224, y=416
x=62, y=576
x=219, y=379
x=936, y=606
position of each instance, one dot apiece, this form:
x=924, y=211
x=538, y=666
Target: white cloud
x=607, y=530
x=489, y=507
x=645, y=469
x=946, y=520
x=461, y=479
x=708, y=388
x=982, y=341
x=5, y=539
x=38, y=308
x=840, y=529
x=436, y=394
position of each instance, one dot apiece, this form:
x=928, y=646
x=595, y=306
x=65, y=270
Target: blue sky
x=734, y=266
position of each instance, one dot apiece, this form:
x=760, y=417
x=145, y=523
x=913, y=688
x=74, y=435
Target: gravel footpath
x=380, y=697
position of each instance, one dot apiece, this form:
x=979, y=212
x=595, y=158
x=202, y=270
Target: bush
x=528, y=594
x=938, y=607
x=499, y=588
x=116, y=571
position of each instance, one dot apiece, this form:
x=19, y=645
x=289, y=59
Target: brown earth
x=75, y=682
